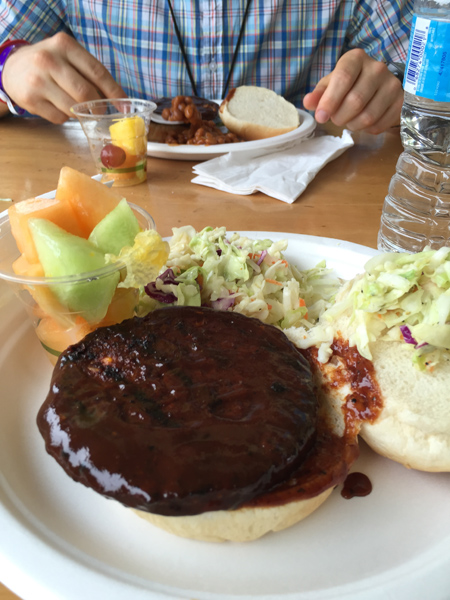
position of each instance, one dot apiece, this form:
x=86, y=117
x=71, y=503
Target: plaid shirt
x=287, y=45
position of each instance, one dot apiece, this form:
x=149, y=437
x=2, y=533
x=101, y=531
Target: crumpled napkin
x=284, y=174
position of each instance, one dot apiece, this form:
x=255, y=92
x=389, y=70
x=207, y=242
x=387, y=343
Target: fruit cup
x=65, y=309
x=117, y=132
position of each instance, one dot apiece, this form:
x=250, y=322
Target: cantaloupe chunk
x=46, y=302
x=55, y=337
x=24, y=268
x=122, y=306
x=90, y=199
x=133, y=167
x=60, y=213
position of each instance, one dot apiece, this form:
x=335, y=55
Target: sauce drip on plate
x=356, y=484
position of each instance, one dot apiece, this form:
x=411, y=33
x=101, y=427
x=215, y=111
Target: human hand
x=49, y=77
x=360, y=94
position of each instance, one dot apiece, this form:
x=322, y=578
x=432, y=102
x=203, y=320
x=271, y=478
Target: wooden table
x=344, y=201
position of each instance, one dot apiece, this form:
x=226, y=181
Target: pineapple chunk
x=130, y=134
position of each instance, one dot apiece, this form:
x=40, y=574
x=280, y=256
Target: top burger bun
x=386, y=340
x=256, y=113
x=413, y=426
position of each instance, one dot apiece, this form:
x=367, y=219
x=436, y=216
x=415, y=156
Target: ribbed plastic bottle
x=416, y=211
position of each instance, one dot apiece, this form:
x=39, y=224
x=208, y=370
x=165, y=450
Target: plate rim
x=187, y=152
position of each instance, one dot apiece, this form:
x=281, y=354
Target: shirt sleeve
x=31, y=21
x=381, y=28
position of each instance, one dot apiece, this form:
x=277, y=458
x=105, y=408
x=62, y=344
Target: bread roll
x=413, y=425
x=256, y=113
x=241, y=525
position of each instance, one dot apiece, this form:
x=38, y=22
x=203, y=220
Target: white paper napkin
x=283, y=175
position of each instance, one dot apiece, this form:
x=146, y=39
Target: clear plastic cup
x=117, y=131
x=56, y=325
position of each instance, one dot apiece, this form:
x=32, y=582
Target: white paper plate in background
x=188, y=152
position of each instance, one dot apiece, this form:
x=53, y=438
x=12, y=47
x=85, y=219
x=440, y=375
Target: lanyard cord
x=185, y=58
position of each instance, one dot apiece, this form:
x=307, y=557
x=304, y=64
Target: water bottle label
x=427, y=72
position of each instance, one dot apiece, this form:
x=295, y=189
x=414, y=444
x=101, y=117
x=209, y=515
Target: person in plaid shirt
x=329, y=55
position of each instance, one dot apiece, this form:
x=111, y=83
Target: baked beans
x=199, y=132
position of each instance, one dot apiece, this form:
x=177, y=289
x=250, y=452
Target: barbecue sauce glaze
x=189, y=410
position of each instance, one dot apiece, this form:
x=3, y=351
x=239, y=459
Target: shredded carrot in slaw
x=274, y=282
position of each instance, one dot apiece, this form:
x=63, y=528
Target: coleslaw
x=402, y=297
x=230, y=272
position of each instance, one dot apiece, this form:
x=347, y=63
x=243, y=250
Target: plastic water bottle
x=416, y=211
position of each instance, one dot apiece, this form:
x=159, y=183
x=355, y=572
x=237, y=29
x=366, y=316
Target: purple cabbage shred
x=262, y=257
x=407, y=336
x=222, y=303
x=168, y=277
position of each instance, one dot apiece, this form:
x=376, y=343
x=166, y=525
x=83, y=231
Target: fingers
x=360, y=94
x=53, y=75
x=339, y=84
x=55, y=104
x=311, y=100
x=92, y=74
x=369, y=122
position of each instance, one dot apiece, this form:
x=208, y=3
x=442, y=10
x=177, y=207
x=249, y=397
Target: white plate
x=59, y=539
x=158, y=119
x=187, y=152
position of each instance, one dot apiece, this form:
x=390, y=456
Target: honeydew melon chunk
x=46, y=301
x=117, y=230
x=62, y=254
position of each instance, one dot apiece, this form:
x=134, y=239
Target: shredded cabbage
x=403, y=297
x=230, y=272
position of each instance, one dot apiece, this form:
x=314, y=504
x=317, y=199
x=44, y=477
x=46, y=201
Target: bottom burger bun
x=413, y=427
x=256, y=113
x=241, y=525
x=247, y=524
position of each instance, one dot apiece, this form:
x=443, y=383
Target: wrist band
x=6, y=50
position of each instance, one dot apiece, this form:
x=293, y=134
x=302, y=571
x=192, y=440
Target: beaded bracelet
x=6, y=50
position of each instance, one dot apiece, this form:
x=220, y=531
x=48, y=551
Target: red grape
x=112, y=156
